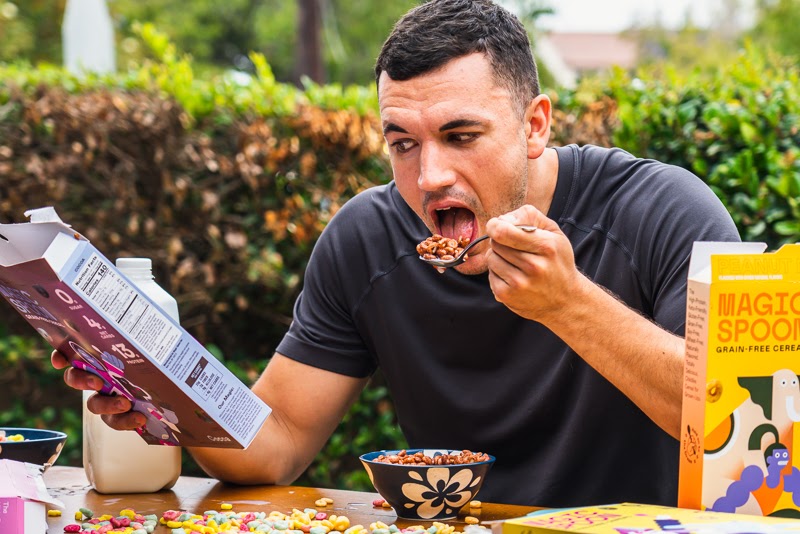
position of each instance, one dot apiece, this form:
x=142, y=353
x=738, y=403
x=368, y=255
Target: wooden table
x=192, y=494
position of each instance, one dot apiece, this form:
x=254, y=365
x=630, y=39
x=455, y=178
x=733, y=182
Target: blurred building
x=569, y=55
x=87, y=34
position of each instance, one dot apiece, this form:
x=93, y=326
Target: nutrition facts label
x=131, y=313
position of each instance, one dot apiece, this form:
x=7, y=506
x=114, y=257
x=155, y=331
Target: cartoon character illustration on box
x=161, y=426
x=749, y=455
x=755, y=484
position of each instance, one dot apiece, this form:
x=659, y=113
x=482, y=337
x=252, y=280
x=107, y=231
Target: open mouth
x=455, y=223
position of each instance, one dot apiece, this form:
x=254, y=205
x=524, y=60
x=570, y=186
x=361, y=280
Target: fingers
x=530, y=272
x=58, y=360
x=125, y=421
x=82, y=380
x=524, y=257
x=508, y=237
x=108, y=404
x=75, y=378
x=525, y=215
x=116, y=411
x=516, y=244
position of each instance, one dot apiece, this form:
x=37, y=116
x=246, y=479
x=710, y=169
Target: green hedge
x=34, y=393
x=227, y=186
x=736, y=127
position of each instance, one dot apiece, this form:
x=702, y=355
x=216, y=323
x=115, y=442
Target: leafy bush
x=225, y=187
x=35, y=395
x=736, y=127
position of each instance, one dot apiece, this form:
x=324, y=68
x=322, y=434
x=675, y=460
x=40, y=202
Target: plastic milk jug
x=120, y=461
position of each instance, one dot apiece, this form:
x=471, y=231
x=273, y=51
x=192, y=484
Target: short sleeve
x=323, y=333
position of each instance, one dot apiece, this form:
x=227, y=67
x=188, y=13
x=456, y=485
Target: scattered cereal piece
x=54, y=513
x=88, y=514
x=328, y=500
x=320, y=502
x=475, y=504
x=378, y=503
x=170, y=515
x=309, y=521
x=12, y=437
x=226, y=506
x=386, y=505
x=341, y=523
x=120, y=522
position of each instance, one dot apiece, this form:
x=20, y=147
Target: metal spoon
x=441, y=264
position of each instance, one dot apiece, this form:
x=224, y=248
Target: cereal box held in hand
x=84, y=307
x=740, y=447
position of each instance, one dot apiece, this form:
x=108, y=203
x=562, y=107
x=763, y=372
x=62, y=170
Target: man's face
x=457, y=147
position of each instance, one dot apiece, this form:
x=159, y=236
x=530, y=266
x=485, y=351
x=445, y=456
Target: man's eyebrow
x=459, y=123
x=392, y=127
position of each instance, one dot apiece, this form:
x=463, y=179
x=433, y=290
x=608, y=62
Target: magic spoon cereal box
x=740, y=448
x=84, y=307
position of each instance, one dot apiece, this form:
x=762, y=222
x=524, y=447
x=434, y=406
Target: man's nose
x=435, y=169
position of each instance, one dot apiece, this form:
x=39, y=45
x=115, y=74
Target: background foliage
x=220, y=35
x=226, y=184
x=224, y=34
x=737, y=128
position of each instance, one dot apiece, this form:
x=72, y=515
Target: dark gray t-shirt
x=466, y=373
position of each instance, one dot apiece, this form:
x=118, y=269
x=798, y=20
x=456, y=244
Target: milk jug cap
x=134, y=263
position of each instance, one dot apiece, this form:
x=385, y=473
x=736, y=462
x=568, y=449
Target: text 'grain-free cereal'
x=442, y=248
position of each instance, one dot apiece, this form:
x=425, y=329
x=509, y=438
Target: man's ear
x=538, y=118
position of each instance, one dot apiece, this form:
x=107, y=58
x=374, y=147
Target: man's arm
x=307, y=404
x=644, y=361
x=534, y=274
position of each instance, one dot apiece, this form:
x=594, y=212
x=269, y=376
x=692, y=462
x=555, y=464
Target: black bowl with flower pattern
x=426, y=492
x=40, y=447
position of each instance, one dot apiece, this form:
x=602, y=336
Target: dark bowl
x=40, y=447
x=426, y=492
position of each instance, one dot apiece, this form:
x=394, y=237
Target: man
x=559, y=351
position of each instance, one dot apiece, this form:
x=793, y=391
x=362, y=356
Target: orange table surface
x=196, y=495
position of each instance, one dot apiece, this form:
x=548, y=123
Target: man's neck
x=542, y=179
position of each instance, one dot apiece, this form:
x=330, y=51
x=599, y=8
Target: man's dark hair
x=432, y=34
